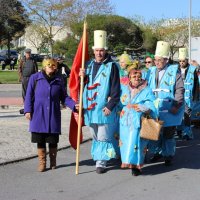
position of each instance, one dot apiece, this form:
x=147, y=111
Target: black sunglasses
x=148, y=62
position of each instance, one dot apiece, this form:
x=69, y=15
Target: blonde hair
x=126, y=58
x=49, y=62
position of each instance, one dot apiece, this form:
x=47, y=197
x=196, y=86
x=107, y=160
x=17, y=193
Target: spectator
x=42, y=107
x=27, y=67
x=63, y=70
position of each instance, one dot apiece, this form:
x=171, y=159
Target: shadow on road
x=187, y=156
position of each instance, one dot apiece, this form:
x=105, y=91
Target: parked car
x=37, y=57
x=2, y=58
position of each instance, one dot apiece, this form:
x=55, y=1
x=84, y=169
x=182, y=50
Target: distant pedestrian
x=27, y=67
x=42, y=107
x=63, y=70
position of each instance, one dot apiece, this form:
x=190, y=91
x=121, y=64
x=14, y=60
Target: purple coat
x=43, y=102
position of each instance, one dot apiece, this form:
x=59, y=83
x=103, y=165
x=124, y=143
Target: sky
x=156, y=9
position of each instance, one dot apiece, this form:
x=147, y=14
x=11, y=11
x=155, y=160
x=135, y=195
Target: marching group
x=116, y=96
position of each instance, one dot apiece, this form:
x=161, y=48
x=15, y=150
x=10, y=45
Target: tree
x=174, y=31
x=149, y=37
x=13, y=21
x=122, y=33
x=35, y=36
x=66, y=47
x=61, y=13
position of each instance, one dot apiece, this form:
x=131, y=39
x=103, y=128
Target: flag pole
x=80, y=99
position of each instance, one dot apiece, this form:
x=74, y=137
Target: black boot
x=136, y=172
x=168, y=161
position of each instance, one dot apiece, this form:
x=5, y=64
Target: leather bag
x=150, y=128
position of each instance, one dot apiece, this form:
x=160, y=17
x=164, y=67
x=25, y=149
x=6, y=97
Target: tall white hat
x=162, y=49
x=183, y=54
x=100, y=39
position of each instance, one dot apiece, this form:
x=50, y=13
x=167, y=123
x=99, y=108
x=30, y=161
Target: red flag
x=74, y=86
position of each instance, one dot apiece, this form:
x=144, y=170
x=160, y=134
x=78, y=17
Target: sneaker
x=100, y=170
x=136, y=172
x=156, y=157
x=168, y=162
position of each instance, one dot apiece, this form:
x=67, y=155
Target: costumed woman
x=137, y=99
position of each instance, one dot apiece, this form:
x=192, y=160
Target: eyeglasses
x=182, y=61
x=148, y=62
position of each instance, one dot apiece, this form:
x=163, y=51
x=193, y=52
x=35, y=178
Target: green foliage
x=120, y=31
x=66, y=47
x=13, y=20
x=149, y=36
x=150, y=41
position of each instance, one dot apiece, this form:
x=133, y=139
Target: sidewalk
x=15, y=140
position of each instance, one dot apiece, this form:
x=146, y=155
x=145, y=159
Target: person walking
x=27, y=67
x=42, y=107
x=166, y=82
x=100, y=97
x=191, y=85
x=137, y=99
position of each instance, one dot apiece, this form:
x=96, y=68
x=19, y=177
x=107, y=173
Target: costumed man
x=166, y=82
x=191, y=85
x=100, y=98
x=195, y=115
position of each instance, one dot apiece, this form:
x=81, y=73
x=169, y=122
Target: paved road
x=10, y=94
x=15, y=139
x=20, y=181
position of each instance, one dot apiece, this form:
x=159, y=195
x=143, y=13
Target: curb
x=35, y=156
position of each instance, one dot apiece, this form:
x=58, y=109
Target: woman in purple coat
x=42, y=107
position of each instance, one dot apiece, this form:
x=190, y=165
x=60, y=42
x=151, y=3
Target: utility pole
x=189, y=31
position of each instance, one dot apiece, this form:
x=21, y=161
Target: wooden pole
x=80, y=99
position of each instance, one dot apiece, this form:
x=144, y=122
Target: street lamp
x=189, y=27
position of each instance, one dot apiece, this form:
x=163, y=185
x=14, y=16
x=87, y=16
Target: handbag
x=150, y=128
